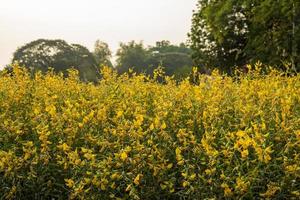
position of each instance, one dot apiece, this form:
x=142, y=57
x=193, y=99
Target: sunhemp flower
x=123, y=156
x=132, y=137
x=227, y=190
x=137, y=179
x=69, y=182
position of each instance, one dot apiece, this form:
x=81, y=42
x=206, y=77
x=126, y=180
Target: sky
x=85, y=21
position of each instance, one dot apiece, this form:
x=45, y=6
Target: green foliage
x=176, y=60
x=41, y=54
x=174, y=63
x=165, y=46
x=132, y=55
x=102, y=54
x=228, y=33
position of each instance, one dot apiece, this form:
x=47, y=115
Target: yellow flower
x=241, y=134
x=292, y=168
x=51, y=109
x=163, y=126
x=227, y=190
x=151, y=127
x=163, y=186
x=245, y=153
x=296, y=193
x=181, y=162
x=128, y=188
x=11, y=193
x=210, y=171
x=137, y=179
x=96, y=181
x=241, y=185
x=64, y=147
x=124, y=156
x=69, y=183
x=263, y=126
x=179, y=157
x=89, y=156
x=36, y=111
x=87, y=180
x=222, y=176
x=169, y=166
x=103, y=183
x=192, y=177
x=271, y=191
x=115, y=176
x=119, y=114
x=185, y=183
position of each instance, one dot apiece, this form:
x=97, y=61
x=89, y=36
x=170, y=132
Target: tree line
x=41, y=54
x=225, y=35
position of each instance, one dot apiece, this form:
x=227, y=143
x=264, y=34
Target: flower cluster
x=131, y=137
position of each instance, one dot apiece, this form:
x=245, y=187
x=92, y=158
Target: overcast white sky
x=85, y=21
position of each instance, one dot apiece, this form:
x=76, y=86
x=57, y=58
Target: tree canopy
x=102, y=54
x=175, y=59
x=41, y=54
x=229, y=33
x=132, y=55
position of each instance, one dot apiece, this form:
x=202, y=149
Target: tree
x=176, y=60
x=132, y=55
x=228, y=33
x=102, y=54
x=275, y=32
x=165, y=46
x=41, y=54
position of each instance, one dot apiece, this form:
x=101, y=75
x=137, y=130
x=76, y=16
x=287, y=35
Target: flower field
x=131, y=137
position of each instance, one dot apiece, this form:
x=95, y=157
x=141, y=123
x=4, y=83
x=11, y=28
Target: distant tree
x=229, y=33
x=132, y=55
x=41, y=54
x=165, y=46
x=102, y=54
x=175, y=59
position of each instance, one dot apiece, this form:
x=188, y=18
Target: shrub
x=130, y=137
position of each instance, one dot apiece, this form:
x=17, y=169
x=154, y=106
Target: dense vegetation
x=130, y=137
x=41, y=54
x=230, y=33
x=176, y=59
x=140, y=132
